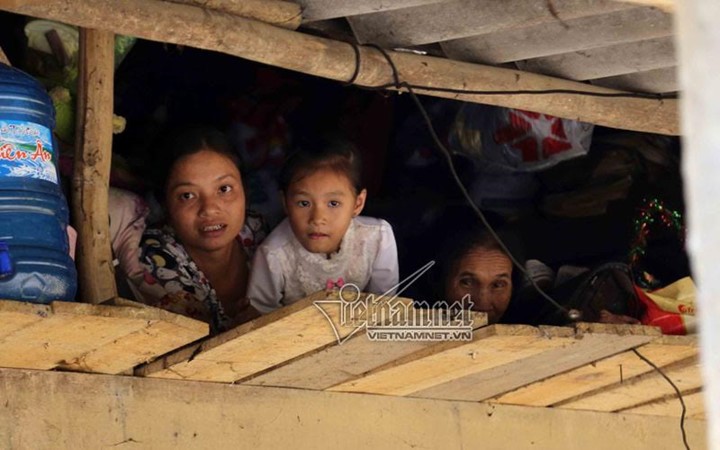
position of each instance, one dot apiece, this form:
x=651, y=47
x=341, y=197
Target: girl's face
x=485, y=276
x=320, y=207
x=206, y=201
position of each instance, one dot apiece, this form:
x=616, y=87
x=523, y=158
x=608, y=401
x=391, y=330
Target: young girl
x=198, y=265
x=323, y=243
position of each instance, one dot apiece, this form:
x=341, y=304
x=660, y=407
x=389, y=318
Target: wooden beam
x=3, y=58
x=91, y=177
x=49, y=409
x=698, y=47
x=555, y=37
x=187, y=25
x=462, y=18
x=608, y=61
x=663, y=5
x=274, y=12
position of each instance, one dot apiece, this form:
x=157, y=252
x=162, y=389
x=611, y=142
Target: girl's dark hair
x=186, y=142
x=333, y=153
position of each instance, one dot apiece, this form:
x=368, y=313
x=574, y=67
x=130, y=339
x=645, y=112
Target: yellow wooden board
x=89, y=338
x=671, y=407
x=479, y=369
x=603, y=373
x=642, y=389
x=287, y=336
x=353, y=359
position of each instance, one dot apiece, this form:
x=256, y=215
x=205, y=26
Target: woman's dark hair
x=186, y=142
x=333, y=153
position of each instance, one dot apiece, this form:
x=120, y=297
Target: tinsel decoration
x=652, y=212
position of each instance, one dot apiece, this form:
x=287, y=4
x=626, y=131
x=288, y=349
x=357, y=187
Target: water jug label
x=26, y=151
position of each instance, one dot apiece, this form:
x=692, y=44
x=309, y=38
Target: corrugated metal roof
x=608, y=43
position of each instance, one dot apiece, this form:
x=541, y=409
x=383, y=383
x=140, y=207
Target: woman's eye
x=501, y=284
x=226, y=188
x=303, y=203
x=187, y=196
x=333, y=203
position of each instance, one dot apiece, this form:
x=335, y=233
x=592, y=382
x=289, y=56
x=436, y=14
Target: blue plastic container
x=34, y=261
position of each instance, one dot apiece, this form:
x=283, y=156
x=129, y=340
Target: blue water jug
x=34, y=262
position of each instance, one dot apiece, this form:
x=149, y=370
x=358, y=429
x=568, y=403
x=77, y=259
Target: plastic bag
x=671, y=308
x=518, y=140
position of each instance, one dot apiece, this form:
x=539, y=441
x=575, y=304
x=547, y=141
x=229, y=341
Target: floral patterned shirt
x=172, y=281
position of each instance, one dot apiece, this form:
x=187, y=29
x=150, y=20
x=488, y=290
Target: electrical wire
x=677, y=391
x=531, y=92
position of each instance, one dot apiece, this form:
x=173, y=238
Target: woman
x=198, y=264
x=478, y=272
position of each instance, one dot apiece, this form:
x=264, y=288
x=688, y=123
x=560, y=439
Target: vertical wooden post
x=92, y=166
x=699, y=47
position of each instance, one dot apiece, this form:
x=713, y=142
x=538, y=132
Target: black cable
x=398, y=84
x=643, y=95
x=677, y=391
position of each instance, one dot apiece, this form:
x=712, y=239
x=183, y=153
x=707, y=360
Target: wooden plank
x=671, y=407
x=88, y=337
x=554, y=38
x=3, y=58
x=274, y=12
x=603, y=373
x=641, y=390
x=595, y=342
x=351, y=360
x=656, y=81
x=330, y=9
x=186, y=25
x=19, y=315
x=609, y=61
x=491, y=347
x=463, y=18
x=253, y=347
x=47, y=409
x=91, y=177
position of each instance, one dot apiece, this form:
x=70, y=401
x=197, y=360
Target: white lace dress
x=284, y=272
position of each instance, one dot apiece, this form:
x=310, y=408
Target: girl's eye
x=303, y=203
x=226, y=188
x=333, y=203
x=187, y=196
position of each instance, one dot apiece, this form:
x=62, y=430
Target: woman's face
x=482, y=277
x=206, y=201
